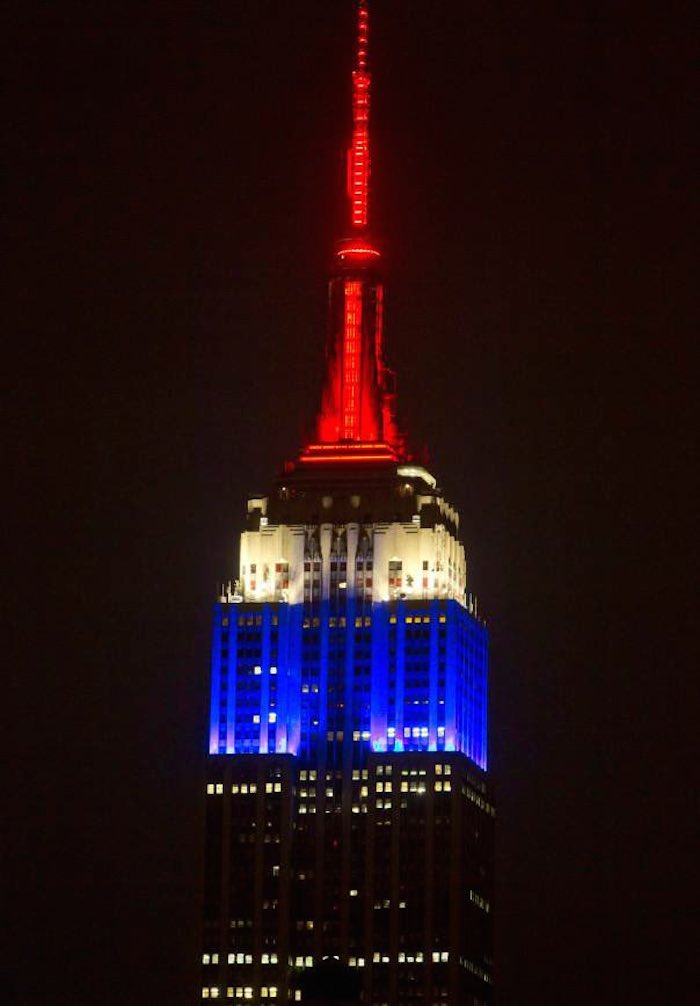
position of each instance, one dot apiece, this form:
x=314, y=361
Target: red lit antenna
x=358, y=155
x=356, y=422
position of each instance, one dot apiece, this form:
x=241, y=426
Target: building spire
x=356, y=421
x=359, y=160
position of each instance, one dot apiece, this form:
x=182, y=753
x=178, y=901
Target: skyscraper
x=348, y=807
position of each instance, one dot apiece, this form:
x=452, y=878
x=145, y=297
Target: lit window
x=272, y=717
x=257, y=670
x=256, y=718
x=219, y=787
x=206, y=959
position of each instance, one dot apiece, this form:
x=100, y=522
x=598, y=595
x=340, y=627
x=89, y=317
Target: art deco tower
x=348, y=809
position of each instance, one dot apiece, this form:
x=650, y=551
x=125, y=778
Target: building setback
x=348, y=805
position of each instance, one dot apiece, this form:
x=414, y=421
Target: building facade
x=348, y=805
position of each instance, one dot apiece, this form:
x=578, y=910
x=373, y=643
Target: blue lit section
x=391, y=676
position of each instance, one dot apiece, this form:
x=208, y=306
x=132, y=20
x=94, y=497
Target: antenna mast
x=359, y=155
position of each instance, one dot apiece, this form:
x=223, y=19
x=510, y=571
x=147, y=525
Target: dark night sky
x=175, y=183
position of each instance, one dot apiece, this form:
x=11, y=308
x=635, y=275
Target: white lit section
x=417, y=472
x=433, y=563
x=262, y=552
x=432, y=559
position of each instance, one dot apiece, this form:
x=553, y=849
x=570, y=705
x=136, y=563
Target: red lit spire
x=359, y=156
x=356, y=421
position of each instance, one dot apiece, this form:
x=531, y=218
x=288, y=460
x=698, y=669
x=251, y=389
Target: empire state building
x=348, y=810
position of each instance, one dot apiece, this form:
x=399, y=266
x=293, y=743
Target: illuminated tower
x=348, y=808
